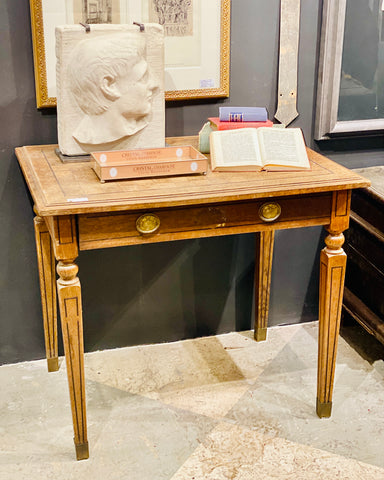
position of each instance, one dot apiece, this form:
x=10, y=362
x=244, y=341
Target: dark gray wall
x=165, y=291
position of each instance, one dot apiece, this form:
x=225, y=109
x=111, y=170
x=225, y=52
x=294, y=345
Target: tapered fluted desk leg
x=333, y=262
x=47, y=275
x=63, y=233
x=263, y=270
x=69, y=293
x=332, y=272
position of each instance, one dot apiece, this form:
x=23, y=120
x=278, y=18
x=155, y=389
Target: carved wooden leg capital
x=334, y=243
x=67, y=272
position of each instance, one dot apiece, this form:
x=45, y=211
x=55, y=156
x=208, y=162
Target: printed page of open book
x=283, y=147
x=238, y=147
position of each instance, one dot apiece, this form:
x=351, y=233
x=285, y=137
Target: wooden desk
x=77, y=212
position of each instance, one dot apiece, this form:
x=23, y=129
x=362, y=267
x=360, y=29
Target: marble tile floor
x=214, y=408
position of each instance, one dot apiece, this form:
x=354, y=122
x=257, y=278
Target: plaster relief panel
x=110, y=88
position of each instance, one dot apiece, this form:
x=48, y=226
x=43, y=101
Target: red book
x=217, y=124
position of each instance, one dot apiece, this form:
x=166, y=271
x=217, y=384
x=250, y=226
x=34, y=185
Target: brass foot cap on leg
x=53, y=364
x=260, y=334
x=82, y=451
x=323, y=410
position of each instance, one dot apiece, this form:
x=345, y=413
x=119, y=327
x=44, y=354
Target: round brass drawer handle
x=147, y=223
x=269, y=212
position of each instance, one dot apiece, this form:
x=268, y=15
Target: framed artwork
x=350, y=91
x=197, y=40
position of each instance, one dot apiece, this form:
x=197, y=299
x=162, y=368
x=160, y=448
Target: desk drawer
x=120, y=228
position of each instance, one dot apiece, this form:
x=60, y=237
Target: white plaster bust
x=112, y=84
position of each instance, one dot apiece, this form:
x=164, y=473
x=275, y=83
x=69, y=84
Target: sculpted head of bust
x=113, y=86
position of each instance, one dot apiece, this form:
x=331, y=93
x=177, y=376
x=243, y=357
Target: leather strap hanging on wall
x=288, y=61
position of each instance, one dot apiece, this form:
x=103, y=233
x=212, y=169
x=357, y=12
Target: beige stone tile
x=156, y=369
x=266, y=391
x=130, y=436
x=281, y=402
x=233, y=452
x=126, y=369
x=213, y=400
x=192, y=363
x=189, y=366
x=215, y=395
x=253, y=357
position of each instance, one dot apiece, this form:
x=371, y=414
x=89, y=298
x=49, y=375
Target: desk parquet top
x=70, y=188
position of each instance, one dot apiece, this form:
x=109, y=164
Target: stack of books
x=231, y=118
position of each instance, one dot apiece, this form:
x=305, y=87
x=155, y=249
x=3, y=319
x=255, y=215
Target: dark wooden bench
x=364, y=282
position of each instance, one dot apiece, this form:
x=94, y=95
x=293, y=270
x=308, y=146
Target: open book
x=251, y=149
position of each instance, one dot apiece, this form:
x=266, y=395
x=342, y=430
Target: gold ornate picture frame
x=196, y=52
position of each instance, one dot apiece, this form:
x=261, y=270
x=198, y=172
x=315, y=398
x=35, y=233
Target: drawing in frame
x=350, y=87
x=197, y=41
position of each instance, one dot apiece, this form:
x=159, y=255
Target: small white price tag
x=207, y=83
x=80, y=199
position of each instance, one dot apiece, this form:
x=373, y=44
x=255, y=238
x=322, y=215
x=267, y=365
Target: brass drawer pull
x=269, y=212
x=147, y=223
